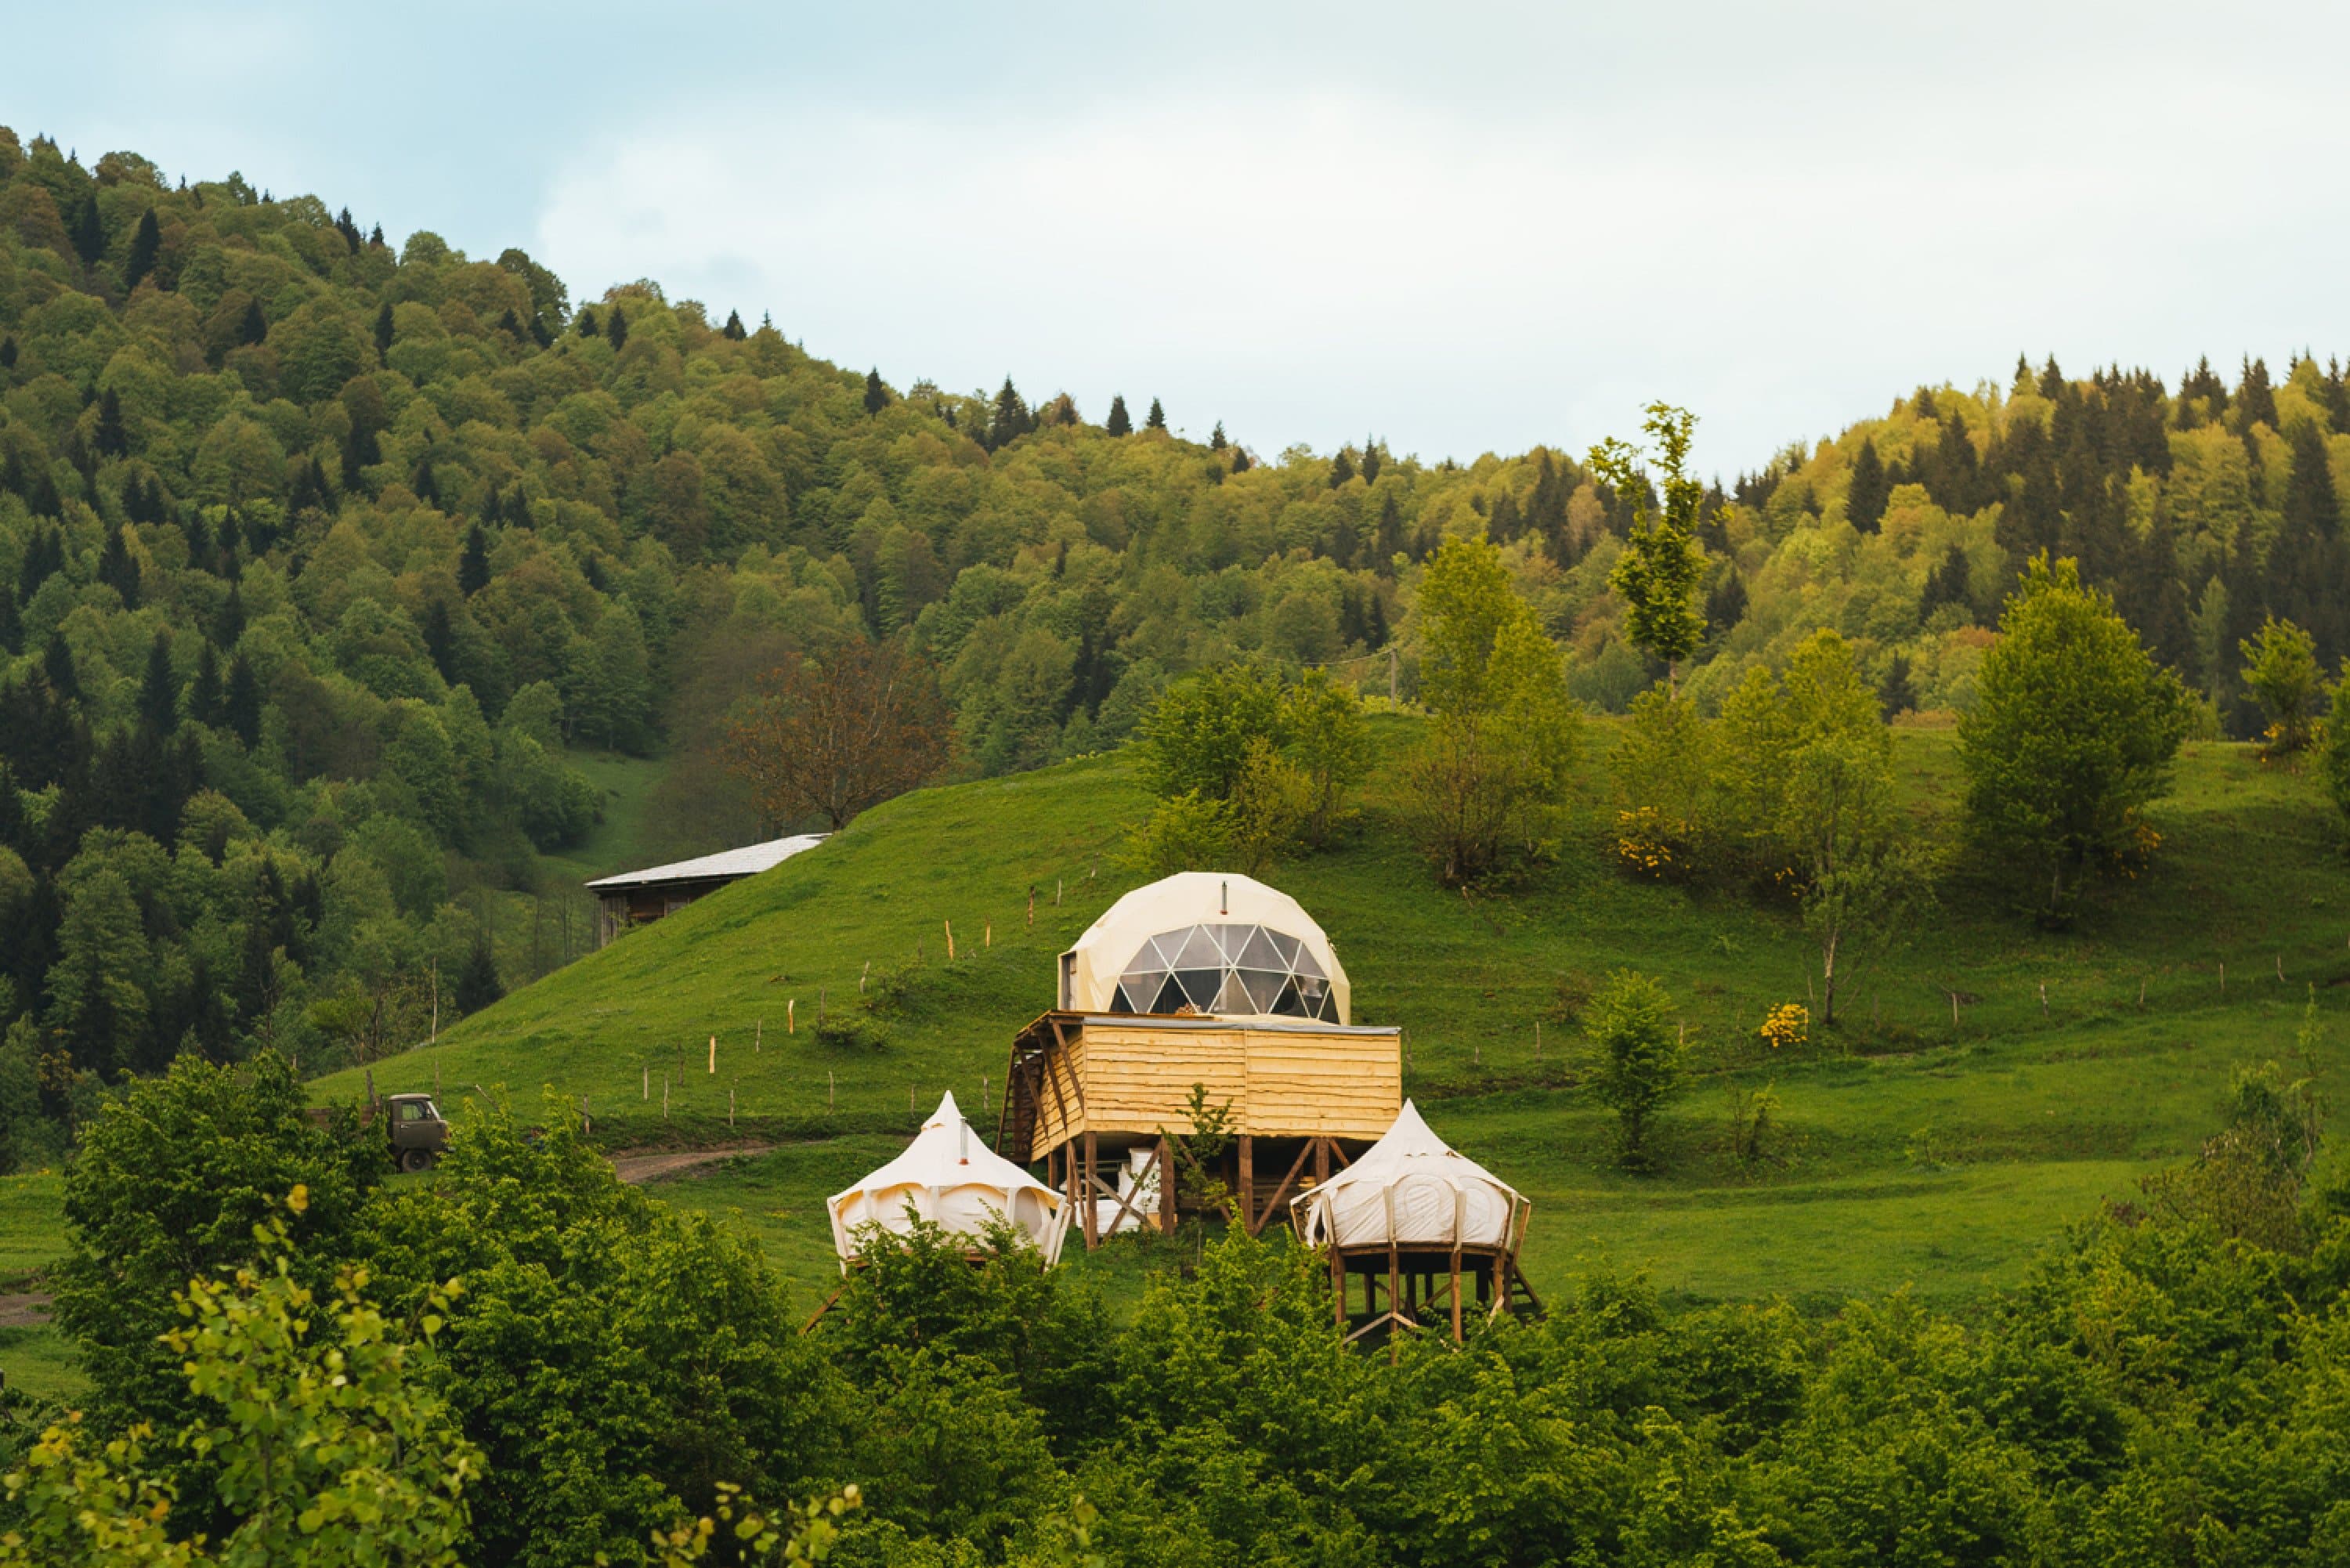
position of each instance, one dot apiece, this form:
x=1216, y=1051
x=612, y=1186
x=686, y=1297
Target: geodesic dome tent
x=1206, y=943
x=951, y=1178
x=1412, y=1190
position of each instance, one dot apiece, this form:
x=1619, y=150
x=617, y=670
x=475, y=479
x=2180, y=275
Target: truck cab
x=417, y=1131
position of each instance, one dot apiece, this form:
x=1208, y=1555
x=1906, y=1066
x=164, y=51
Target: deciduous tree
x=832, y=737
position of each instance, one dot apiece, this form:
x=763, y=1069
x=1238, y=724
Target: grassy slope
x=1913, y=1152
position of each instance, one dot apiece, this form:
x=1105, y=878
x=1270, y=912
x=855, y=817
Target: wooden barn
x=635, y=898
x=1201, y=979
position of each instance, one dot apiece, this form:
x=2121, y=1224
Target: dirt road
x=642, y=1167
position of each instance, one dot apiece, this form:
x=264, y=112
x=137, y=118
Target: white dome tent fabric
x=1212, y=942
x=951, y=1178
x=1412, y=1190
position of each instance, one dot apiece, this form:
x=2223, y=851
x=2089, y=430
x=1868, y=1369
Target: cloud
x=1458, y=274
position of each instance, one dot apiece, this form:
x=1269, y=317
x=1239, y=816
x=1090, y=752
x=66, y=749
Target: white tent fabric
x=1292, y=959
x=955, y=1181
x=1411, y=1188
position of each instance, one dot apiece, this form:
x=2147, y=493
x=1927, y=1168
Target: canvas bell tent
x=949, y=1177
x=1422, y=1225
x=1207, y=978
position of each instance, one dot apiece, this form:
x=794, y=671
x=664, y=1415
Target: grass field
x=1913, y=1149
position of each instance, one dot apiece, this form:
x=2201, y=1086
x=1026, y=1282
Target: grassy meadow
x=1910, y=1150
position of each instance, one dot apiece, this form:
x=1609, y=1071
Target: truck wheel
x=415, y=1159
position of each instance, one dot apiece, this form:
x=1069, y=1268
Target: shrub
x=1636, y=1055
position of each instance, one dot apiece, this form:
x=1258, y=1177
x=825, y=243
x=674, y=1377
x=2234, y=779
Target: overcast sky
x=1464, y=228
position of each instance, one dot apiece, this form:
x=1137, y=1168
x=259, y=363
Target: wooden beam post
x=1092, y=1218
x=1166, y=1185
x=1248, y=1182
x=1457, y=1335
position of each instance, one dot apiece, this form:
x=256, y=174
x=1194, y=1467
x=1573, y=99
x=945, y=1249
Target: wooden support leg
x=1456, y=1295
x=1166, y=1189
x=1086, y=1189
x=1321, y=1160
x=1500, y=1284
x=1338, y=1287
x=1248, y=1184
x=1395, y=1273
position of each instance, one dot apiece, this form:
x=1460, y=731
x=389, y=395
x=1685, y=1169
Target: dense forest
x=323, y=562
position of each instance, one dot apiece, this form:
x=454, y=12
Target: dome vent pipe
x=1224, y=898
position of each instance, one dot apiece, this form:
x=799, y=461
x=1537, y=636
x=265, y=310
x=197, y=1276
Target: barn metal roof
x=726, y=865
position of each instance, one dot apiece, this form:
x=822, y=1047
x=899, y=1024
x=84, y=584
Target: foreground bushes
x=2160, y=1390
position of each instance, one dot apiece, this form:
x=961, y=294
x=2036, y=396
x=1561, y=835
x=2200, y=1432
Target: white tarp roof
x=955, y=1181
x=1295, y=952
x=747, y=861
x=1413, y=1189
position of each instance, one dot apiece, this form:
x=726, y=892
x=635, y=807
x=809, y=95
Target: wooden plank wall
x=1280, y=1083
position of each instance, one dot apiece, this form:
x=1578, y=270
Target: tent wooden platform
x=1301, y=1094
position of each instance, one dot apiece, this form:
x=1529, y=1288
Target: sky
x=1458, y=229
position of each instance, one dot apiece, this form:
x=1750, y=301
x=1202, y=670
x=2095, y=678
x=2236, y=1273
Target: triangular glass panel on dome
x=1305, y=963
x=1312, y=993
x=1200, y=951
x=1159, y=951
x=1326, y=1008
x=1119, y=1002
x=1258, y=951
x=1263, y=987
x=1201, y=986
x=1232, y=999
x=1289, y=1004
x=1283, y=944
x=1170, y=998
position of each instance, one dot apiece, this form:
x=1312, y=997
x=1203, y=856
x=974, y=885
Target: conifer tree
x=159, y=691
x=427, y=486
x=1012, y=420
x=2052, y=380
x=1216, y=437
x=383, y=329
x=734, y=332
x=440, y=639
x=1371, y=461
x=2311, y=506
x=57, y=668
x=1242, y=461
x=12, y=626
x=587, y=325
x=877, y=395
x=2256, y=399
x=474, y=566
x=146, y=244
x=253, y=326
x=117, y=570
x=1725, y=606
x=375, y=236
x=8, y=352
x=205, y=690
x=1157, y=420
x=1864, y=505
x=240, y=709
x=1119, y=421
x=477, y=984
x=1947, y=584
x=113, y=441
x=1387, y=542
x=1895, y=694
x=230, y=625
x=1342, y=468
x=89, y=233
x=616, y=328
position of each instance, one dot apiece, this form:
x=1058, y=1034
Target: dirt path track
x=644, y=1167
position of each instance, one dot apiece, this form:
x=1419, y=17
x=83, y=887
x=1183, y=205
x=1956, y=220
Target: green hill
x=1912, y=1151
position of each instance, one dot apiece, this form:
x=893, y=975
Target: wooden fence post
x=713, y=1053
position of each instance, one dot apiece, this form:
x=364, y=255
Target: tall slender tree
x=1656, y=575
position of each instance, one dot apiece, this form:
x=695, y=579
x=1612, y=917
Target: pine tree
x=253, y=326
x=1725, y=606
x=441, y=639
x=2337, y=399
x=1947, y=585
x=1864, y=505
x=1119, y=421
x=375, y=236
x=88, y=233
x=159, y=690
x=617, y=328
x=2052, y=380
x=477, y=984
x=113, y=440
x=877, y=395
x=1216, y=437
x=57, y=668
x=2256, y=399
x=1895, y=694
x=116, y=570
x=348, y=230
x=474, y=566
x=1342, y=468
x=146, y=244
x=733, y=331
x=11, y=623
x=1371, y=461
x=587, y=327
x=1012, y=420
x=1157, y=420
x=1242, y=462
x=205, y=690
x=8, y=352
x=240, y=709
x=2311, y=506
x=230, y=625
x=383, y=330
x=427, y=487
x=1387, y=542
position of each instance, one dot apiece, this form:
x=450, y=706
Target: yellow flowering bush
x=1790, y=1024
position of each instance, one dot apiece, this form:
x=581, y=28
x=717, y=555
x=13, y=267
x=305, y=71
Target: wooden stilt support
x=1457, y=1335
x=1086, y=1189
x=1248, y=1183
x=1394, y=1272
x=1166, y=1188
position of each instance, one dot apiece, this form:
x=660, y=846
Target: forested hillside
x=323, y=562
